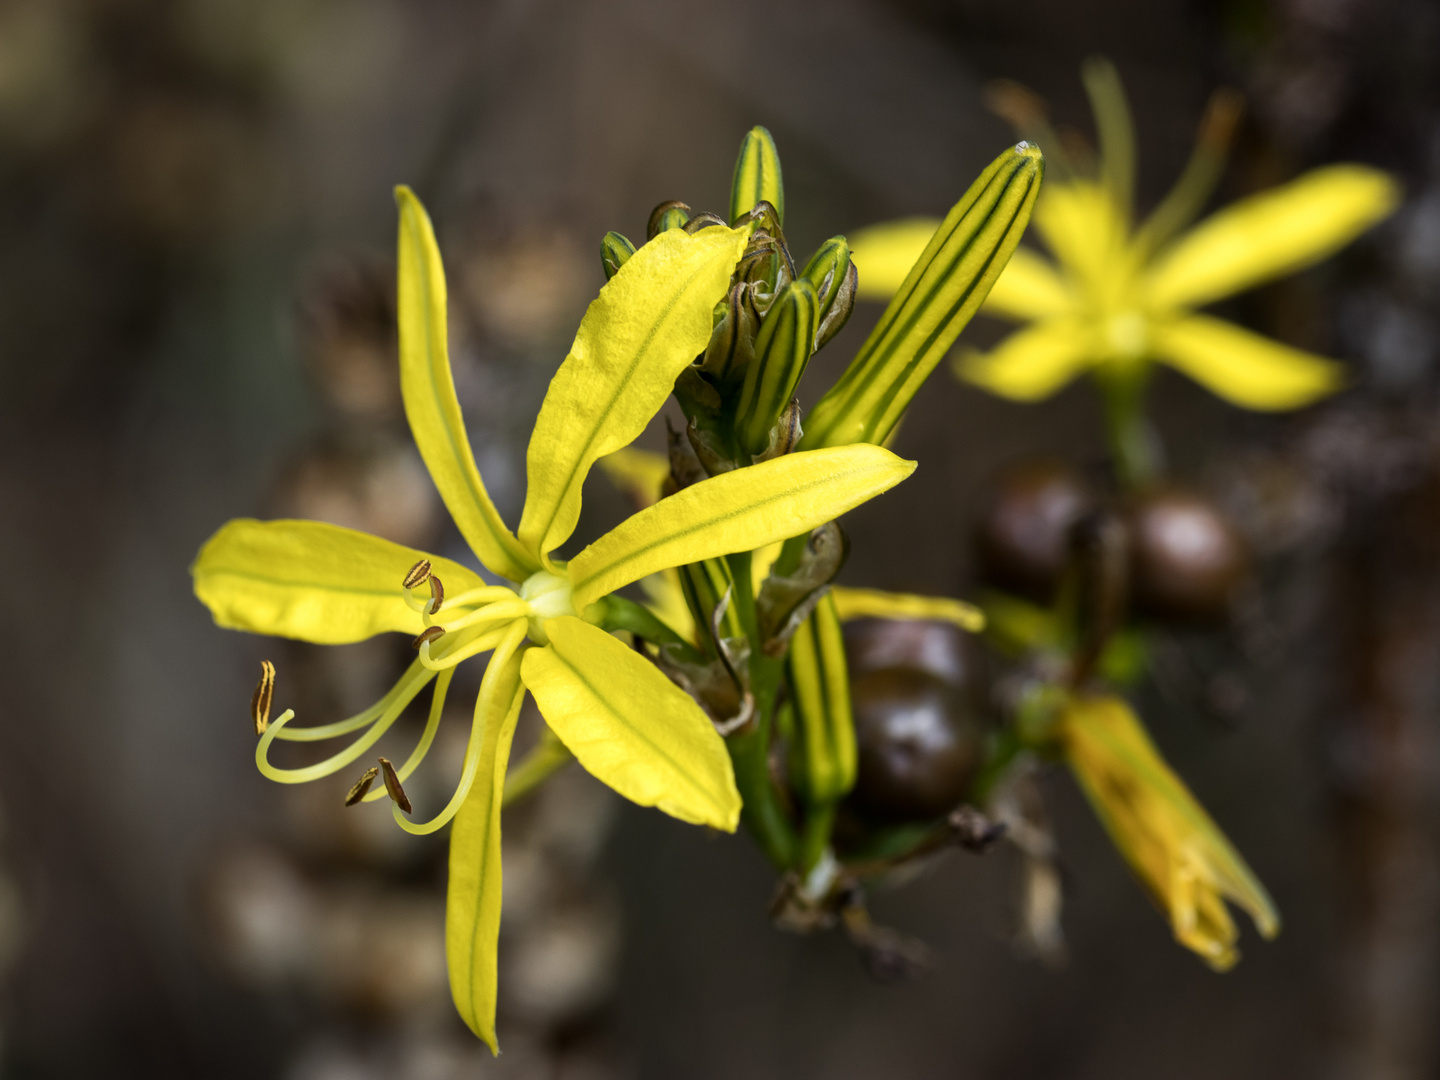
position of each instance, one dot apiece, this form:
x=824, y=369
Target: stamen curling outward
x=427, y=636
x=260, y=700
x=393, y=788
x=437, y=594
x=362, y=785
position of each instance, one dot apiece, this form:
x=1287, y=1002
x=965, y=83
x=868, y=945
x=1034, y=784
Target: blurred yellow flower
x=1118, y=297
x=1179, y=854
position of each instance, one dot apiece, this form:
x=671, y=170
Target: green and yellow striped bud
x=823, y=760
x=614, y=250
x=833, y=275
x=757, y=176
x=668, y=215
x=782, y=349
x=942, y=292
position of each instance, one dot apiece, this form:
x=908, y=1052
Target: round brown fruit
x=939, y=649
x=1187, y=557
x=1024, y=528
x=919, y=746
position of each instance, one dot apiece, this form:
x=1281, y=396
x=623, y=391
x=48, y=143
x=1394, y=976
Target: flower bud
x=668, y=215
x=757, y=176
x=833, y=275
x=732, y=342
x=614, y=250
x=782, y=349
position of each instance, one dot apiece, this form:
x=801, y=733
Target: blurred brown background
x=195, y=228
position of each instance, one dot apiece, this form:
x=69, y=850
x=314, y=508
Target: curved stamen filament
x=463, y=651
x=519, y=609
x=496, y=673
x=321, y=732
x=391, y=706
x=432, y=725
x=420, y=601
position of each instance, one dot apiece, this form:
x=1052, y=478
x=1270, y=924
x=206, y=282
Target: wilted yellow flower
x=1179, y=854
x=621, y=718
x=1119, y=297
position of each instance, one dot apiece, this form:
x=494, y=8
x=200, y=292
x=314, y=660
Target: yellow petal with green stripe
x=630, y=726
x=472, y=902
x=311, y=581
x=875, y=604
x=430, y=402
x=650, y=320
x=735, y=511
x=1252, y=371
x=820, y=685
x=1031, y=363
x=639, y=473
x=1271, y=234
x=757, y=175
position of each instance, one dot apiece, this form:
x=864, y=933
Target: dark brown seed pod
x=1187, y=558
x=1024, y=528
x=939, y=649
x=919, y=746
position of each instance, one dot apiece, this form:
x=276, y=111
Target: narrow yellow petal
x=1029, y=288
x=472, y=902
x=638, y=473
x=1081, y=225
x=1252, y=371
x=883, y=254
x=735, y=511
x=875, y=604
x=1271, y=234
x=820, y=685
x=1171, y=843
x=630, y=726
x=308, y=580
x=1031, y=363
x=650, y=320
x=430, y=402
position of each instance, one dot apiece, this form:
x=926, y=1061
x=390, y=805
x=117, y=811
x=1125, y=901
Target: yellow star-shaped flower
x=620, y=717
x=1119, y=297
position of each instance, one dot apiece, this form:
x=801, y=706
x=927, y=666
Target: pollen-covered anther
x=362, y=786
x=418, y=573
x=261, y=698
x=437, y=593
x=393, y=788
x=427, y=636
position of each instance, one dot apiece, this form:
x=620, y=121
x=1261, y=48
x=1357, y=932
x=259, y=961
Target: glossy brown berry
x=1023, y=531
x=939, y=649
x=919, y=746
x=1187, y=557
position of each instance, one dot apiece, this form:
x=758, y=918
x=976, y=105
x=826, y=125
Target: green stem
x=622, y=614
x=548, y=756
x=1136, y=447
x=816, y=835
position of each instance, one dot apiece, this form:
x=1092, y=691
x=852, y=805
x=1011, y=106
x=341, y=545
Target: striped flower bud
x=732, y=342
x=668, y=215
x=833, y=275
x=614, y=250
x=782, y=349
x=757, y=176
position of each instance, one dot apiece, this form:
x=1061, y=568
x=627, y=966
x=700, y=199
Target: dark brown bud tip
x=392, y=786
x=261, y=698
x=431, y=633
x=362, y=786
x=437, y=593
x=418, y=573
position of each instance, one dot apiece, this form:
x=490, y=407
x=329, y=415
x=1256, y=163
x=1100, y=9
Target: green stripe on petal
x=650, y=320
x=735, y=511
x=757, y=175
x=311, y=581
x=472, y=903
x=430, y=402
x=630, y=726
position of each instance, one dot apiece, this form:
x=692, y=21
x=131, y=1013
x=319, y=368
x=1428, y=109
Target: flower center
x=1126, y=335
x=549, y=597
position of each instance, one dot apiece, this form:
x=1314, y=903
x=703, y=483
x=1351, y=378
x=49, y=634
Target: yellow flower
x=1119, y=297
x=1179, y=854
x=625, y=722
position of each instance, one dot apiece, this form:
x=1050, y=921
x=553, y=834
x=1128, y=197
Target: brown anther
x=362, y=786
x=437, y=591
x=418, y=573
x=431, y=633
x=392, y=786
x=261, y=698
